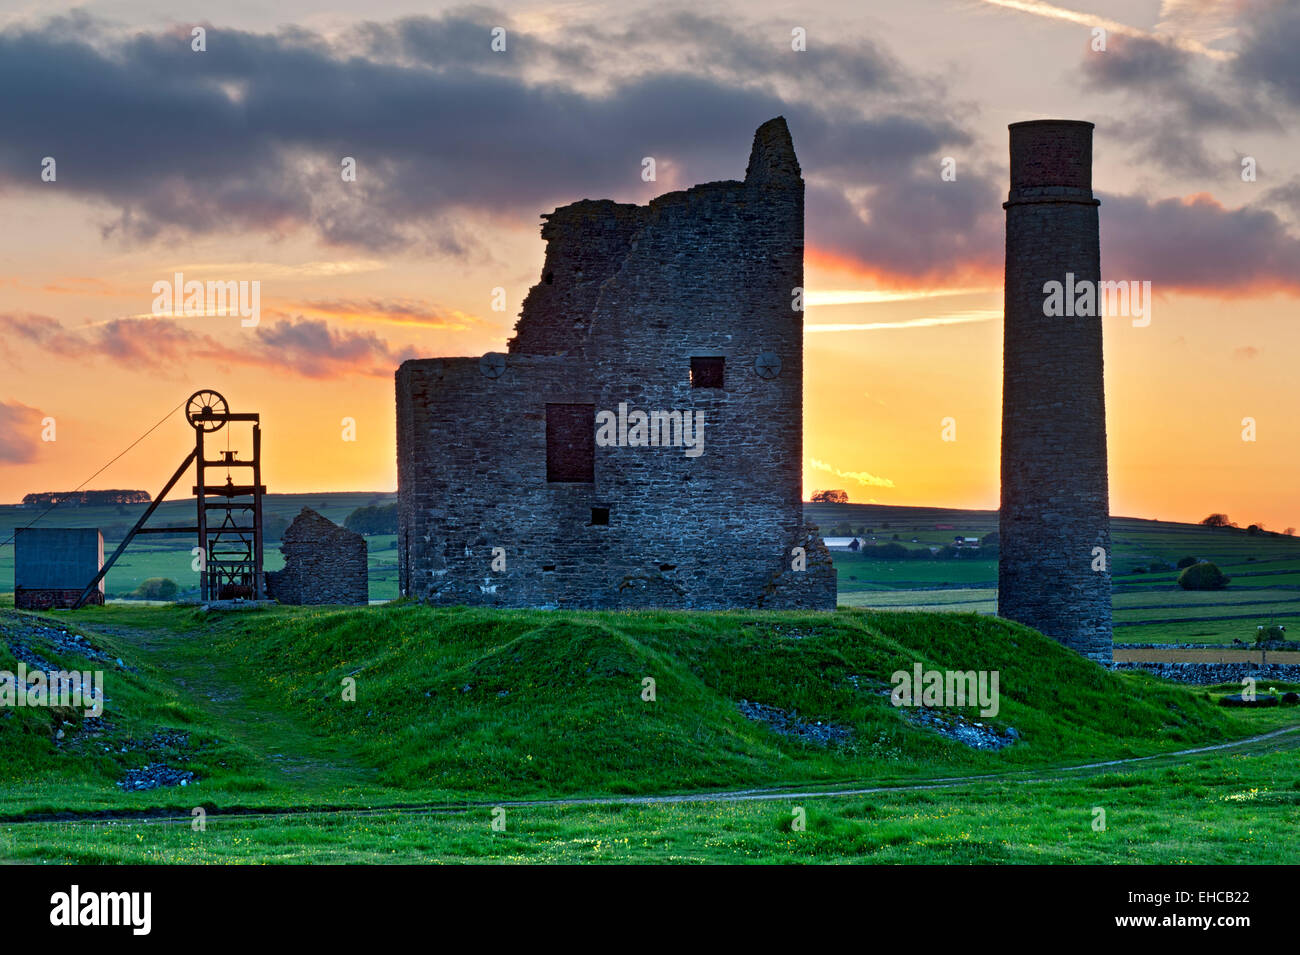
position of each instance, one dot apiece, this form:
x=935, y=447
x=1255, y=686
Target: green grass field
x=1149, y=607
x=474, y=708
x=1226, y=810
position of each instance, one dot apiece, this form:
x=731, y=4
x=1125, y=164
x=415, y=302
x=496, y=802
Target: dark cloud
x=1285, y=197
x=1198, y=245
x=248, y=136
x=306, y=347
x=1182, y=98
x=313, y=349
x=20, y=432
x=1270, y=39
x=914, y=227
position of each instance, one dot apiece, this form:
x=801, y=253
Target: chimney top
x=1051, y=153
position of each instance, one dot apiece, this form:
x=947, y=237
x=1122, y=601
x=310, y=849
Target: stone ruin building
x=641, y=442
x=323, y=564
x=1055, y=513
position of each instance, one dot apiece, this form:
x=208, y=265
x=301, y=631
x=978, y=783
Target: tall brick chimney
x=1055, y=499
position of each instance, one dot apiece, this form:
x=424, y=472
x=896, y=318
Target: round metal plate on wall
x=767, y=365
x=492, y=365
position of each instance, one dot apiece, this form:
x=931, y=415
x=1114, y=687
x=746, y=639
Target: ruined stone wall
x=585, y=244
x=629, y=295
x=323, y=564
x=1055, y=501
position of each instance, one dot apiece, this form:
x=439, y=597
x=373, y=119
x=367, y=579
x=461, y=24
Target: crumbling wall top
x=772, y=159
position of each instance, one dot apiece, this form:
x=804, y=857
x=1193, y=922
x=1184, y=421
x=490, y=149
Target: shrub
x=1269, y=634
x=373, y=520
x=1203, y=576
x=156, y=588
x=1186, y=562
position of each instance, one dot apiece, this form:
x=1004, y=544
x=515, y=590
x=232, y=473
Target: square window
x=571, y=443
x=706, y=372
x=600, y=516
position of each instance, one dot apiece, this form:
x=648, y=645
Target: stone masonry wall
x=1055, y=499
x=323, y=564
x=629, y=295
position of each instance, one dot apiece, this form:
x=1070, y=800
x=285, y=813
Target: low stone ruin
x=323, y=564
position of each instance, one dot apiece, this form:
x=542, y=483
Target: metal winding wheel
x=202, y=408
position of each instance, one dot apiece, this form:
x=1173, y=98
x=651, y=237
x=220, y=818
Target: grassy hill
x=487, y=704
x=458, y=710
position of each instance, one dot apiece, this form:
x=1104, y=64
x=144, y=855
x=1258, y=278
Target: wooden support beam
x=153, y=506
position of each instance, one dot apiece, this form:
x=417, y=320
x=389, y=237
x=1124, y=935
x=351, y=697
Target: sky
x=224, y=165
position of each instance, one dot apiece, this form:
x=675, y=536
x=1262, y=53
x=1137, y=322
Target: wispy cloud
x=814, y=297
x=955, y=318
x=1053, y=12
x=862, y=477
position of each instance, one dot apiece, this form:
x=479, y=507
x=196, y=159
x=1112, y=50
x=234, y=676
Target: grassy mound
x=507, y=704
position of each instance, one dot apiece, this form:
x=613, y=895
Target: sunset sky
x=225, y=165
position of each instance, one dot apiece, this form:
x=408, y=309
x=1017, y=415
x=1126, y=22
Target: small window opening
x=706, y=372
x=600, y=516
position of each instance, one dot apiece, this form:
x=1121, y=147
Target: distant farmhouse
x=641, y=442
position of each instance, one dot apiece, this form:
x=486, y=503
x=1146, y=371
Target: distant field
x=1149, y=607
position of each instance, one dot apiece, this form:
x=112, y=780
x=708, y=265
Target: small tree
x=156, y=588
x=830, y=497
x=1203, y=576
x=1216, y=520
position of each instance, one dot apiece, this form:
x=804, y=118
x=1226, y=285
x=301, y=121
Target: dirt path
x=214, y=685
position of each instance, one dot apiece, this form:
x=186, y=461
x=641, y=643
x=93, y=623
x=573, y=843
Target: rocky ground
x=32, y=640
x=790, y=723
x=961, y=729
